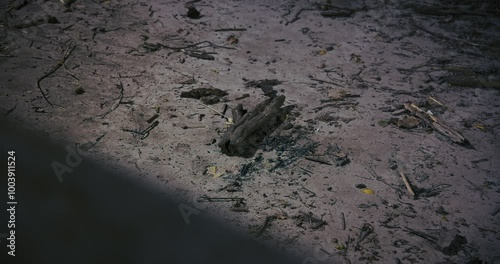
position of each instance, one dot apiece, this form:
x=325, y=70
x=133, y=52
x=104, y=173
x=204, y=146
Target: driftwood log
x=243, y=137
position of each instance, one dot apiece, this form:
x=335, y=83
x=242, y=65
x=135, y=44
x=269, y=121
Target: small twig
x=266, y=225
x=304, y=189
x=342, y=217
x=151, y=119
x=218, y=112
x=119, y=98
x=206, y=198
x=68, y=52
x=296, y=17
x=9, y=110
x=321, y=107
x=317, y=159
x=230, y=29
x=437, y=102
x=323, y=81
x=489, y=230
x=87, y=148
x=72, y=75
x=423, y=235
x=407, y=183
x=307, y=171
x=189, y=127
x=193, y=45
x=366, y=229
x=243, y=96
x=378, y=178
x=144, y=133
x=476, y=188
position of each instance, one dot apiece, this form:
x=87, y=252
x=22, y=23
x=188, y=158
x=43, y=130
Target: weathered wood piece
x=438, y=125
x=242, y=138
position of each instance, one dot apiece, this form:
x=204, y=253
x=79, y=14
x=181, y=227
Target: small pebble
x=360, y=186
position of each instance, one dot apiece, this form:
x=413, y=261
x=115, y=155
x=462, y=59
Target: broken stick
x=342, y=217
x=318, y=159
x=438, y=125
x=407, y=184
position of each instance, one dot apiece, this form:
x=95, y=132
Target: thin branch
x=68, y=52
x=119, y=98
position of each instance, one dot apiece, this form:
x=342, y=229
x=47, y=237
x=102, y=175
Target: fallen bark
x=242, y=138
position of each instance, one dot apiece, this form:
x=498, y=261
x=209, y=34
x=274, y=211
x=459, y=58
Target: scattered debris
x=365, y=230
x=193, y=13
x=266, y=85
x=341, y=159
x=79, y=91
x=208, y=96
x=312, y=221
x=144, y=133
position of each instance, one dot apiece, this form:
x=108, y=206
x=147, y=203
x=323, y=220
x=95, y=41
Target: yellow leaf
x=340, y=247
x=322, y=52
x=215, y=172
x=368, y=191
x=479, y=126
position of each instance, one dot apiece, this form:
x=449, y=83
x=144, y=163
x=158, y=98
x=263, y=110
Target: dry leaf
x=215, y=172
x=337, y=94
x=409, y=122
x=479, y=126
x=368, y=191
x=232, y=40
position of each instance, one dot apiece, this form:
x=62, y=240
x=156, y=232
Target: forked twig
x=67, y=53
